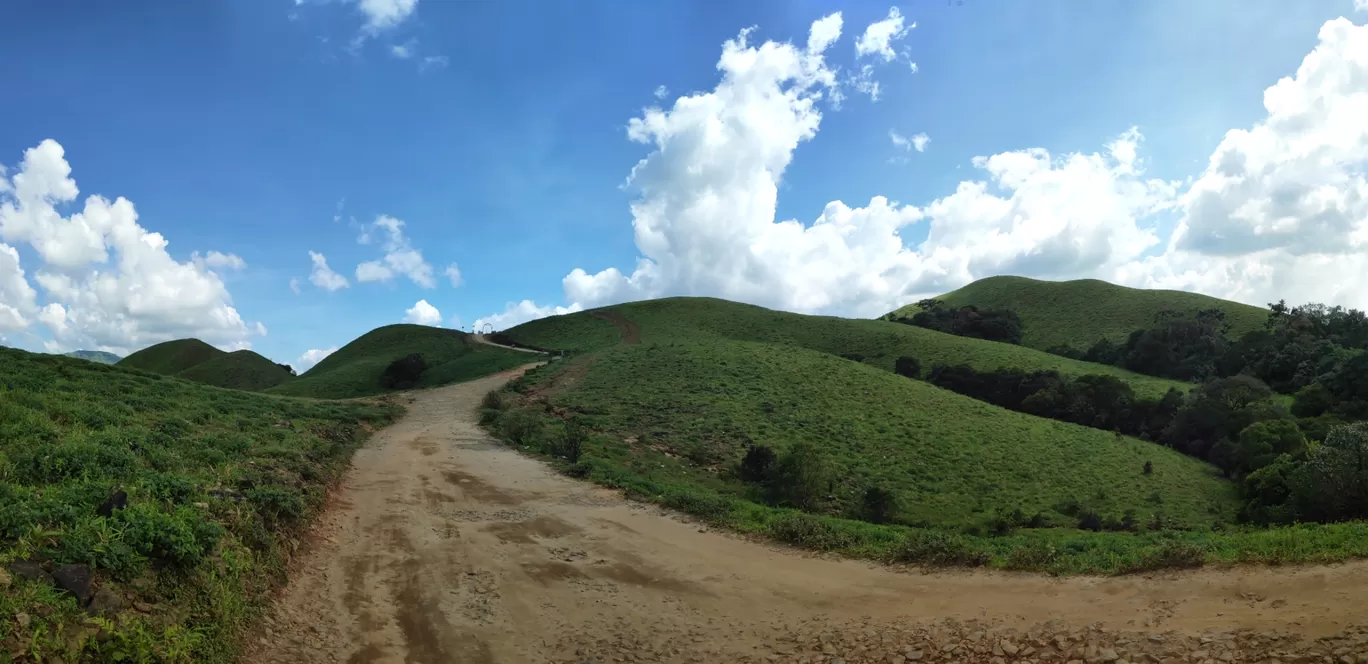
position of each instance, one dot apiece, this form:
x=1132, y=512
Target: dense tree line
x=1312, y=351
x=1236, y=423
x=969, y=321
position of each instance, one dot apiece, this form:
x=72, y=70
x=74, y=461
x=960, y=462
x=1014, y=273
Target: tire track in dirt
x=442, y=545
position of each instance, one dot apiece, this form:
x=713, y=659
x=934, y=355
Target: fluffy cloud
x=1361, y=5
x=423, y=313
x=382, y=15
x=825, y=31
x=217, y=260
x=107, y=282
x=662, y=92
x=310, y=358
x=517, y=313
x=400, y=258
x=879, y=36
x=1280, y=211
x=322, y=275
x=406, y=50
x=17, y=298
x=453, y=273
x=294, y=285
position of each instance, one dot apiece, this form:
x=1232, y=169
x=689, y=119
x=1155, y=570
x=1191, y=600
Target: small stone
x=950, y=647
x=914, y=655
x=26, y=569
x=74, y=579
x=23, y=619
x=896, y=659
x=1108, y=655
x=1010, y=648
x=105, y=603
x=144, y=607
x=5, y=580
x=997, y=660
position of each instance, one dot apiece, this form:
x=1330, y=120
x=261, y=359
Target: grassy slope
x=1079, y=313
x=72, y=430
x=95, y=356
x=881, y=342
x=354, y=370
x=952, y=458
x=171, y=357
x=239, y=370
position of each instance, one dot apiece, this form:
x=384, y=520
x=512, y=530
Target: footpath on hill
x=443, y=545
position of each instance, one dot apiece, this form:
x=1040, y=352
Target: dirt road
x=444, y=546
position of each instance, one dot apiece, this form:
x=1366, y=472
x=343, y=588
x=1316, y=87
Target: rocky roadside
x=951, y=642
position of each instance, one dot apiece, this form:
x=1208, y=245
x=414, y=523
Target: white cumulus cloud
x=423, y=313
x=1280, y=211
x=453, y=273
x=216, y=260
x=107, y=281
x=18, y=300
x=323, y=276
x=382, y=15
x=310, y=358
x=400, y=258
x=517, y=313
x=879, y=36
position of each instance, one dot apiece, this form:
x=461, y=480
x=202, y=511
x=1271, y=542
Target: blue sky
x=269, y=129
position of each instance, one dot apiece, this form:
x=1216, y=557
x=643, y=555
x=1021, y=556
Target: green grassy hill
x=171, y=357
x=953, y=459
x=354, y=370
x=95, y=356
x=879, y=342
x=671, y=395
x=1079, y=313
x=217, y=482
x=238, y=370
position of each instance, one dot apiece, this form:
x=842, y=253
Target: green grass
x=1080, y=313
x=238, y=370
x=95, y=356
x=171, y=357
x=354, y=370
x=668, y=419
x=952, y=458
x=218, y=483
x=880, y=342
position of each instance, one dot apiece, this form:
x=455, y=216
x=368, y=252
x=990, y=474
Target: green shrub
x=1033, y=557
x=404, y=372
x=1170, y=555
x=811, y=532
x=521, y=428
x=878, y=505
x=801, y=477
x=758, y=464
x=493, y=399
x=933, y=547
x=572, y=440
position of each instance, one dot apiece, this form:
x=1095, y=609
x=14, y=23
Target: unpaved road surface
x=442, y=545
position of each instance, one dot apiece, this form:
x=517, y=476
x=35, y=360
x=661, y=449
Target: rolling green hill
x=94, y=356
x=1080, y=313
x=953, y=459
x=171, y=357
x=217, y=483
x=354, y=370
x=879, y=342
x=238, y=370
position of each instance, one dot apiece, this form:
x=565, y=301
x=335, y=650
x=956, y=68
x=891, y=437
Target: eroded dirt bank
x=444, y=546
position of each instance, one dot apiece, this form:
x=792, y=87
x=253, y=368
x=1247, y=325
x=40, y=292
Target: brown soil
x=444, y=546
x=629, y=331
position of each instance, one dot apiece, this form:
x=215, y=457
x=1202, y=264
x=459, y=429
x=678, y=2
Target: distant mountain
x=95, y=356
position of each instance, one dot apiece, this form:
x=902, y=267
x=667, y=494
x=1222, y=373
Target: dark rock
x=115, y=502
x=105, y=603
x=74, y=579
x=27, y=569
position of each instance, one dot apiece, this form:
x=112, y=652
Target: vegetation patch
x=877, y=343
x=145, y=517
x=360, y=368
x=1077, y=314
